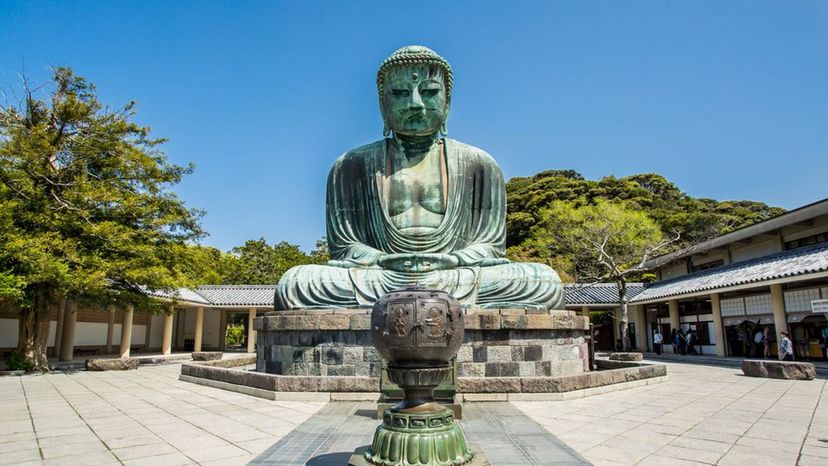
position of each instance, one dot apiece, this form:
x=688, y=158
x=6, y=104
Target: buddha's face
x=414, y=100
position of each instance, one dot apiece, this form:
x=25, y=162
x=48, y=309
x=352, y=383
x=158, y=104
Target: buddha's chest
x=416, y=194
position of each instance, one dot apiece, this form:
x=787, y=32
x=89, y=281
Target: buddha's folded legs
x=315, y=286
x=322, y=286
x=520, y=285
x=509, y=285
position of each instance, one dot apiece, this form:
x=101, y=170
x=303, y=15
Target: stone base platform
x=232, y=374
x=497, y=343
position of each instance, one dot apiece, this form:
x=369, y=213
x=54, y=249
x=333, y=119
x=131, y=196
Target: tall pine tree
x=86, y=212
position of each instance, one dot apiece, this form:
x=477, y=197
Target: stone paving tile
x=701, y=415
x=137, y=417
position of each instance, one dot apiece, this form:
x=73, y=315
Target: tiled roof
x=598, y=293
x=182, y=294
x=238, y=295
x=785, y=264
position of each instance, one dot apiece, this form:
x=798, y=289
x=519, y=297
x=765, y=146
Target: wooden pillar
x=778, y=305
x=166, y=342
x=251, y=334
x=110, y=330
x=59, y=326
x=640, y=320
x=199, y=328
x=67, y=341
x=675, y=323
x=126, y=331
x=718, y=328
x=222, y=330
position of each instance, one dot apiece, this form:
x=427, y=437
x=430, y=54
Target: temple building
x=772, y=274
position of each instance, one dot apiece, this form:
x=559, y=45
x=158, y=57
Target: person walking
x=766, y=342
x=657, y=341
x=674, y=339
x=682, y=342
x=785, y=348
x=692, y=339
x=757, y=339
x=823, y=342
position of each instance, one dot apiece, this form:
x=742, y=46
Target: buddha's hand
x=488, y=262
x=420, y=262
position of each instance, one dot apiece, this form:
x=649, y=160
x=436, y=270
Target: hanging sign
x=819, y=305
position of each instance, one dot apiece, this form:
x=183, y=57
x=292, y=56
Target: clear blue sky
x=729, y=100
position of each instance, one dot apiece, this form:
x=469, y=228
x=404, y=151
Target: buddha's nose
x=416, y=101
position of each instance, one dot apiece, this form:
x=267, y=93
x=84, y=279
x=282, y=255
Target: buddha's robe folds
x=473, y=229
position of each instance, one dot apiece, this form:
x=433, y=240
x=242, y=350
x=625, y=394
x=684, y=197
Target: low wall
x=497, y=343
x=227, y=374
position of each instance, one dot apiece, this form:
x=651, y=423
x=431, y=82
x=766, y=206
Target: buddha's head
x=414, y=86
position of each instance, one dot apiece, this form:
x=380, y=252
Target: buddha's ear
x=386, y=131
x=444, y=126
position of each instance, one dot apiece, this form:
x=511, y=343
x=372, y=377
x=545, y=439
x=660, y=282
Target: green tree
x=259, y=263
x=606, y=242
x=697, y=219
x=85, y=208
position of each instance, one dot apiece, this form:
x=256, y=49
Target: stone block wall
x=521, y=353
x=497, y=343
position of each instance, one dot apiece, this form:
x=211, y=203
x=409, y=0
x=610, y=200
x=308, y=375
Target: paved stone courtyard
x=702, y=415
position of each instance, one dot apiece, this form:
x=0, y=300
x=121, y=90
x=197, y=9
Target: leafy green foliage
x=259, y=263
x=606, y=241
x=85, y=206
x=673, y=211
x=17, y=362
x=235, y=334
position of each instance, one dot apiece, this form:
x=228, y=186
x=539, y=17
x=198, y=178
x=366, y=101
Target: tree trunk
x=34, y=331
x=625, y=315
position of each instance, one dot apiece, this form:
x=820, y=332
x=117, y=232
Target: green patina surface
x=417, y=208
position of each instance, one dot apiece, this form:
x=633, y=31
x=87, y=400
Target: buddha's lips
x=415, y=116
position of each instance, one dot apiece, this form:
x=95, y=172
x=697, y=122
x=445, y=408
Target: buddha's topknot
x=415, y=55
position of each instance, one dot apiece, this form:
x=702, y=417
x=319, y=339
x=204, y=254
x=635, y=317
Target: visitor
x=766, y=342
x=750, y=348
x=674, y=339
x=823, y=342
x=800, y=335
x=691, y=342
x=740, y=339
x=757, y=339
x=785, y=348
x=682, y=342
x=657, y=341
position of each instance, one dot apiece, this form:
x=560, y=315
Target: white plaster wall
x=9, y=333
x=211, y=328
x=94, y=333
x=139, y=333
x=755, y=250
x=157, y=333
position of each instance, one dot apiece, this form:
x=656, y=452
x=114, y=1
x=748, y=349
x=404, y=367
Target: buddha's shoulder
x=359, y=154
x=469, y=151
